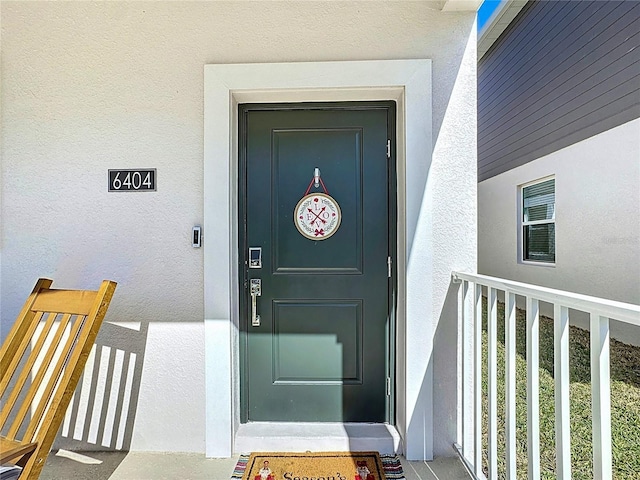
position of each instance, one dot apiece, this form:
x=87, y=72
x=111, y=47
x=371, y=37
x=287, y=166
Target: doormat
x=318, y=466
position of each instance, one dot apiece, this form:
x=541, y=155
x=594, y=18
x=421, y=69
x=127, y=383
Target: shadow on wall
x=101, y=414
x=446, y=374
x=443, y=367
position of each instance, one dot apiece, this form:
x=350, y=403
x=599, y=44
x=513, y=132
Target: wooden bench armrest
x=13, y=450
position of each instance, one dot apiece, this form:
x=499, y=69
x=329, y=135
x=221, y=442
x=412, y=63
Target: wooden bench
x=41, y=362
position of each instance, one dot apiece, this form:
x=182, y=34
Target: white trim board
x=319, y=437
x=408, y=82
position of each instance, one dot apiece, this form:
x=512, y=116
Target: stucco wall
x=597, y=218
x=91, y=86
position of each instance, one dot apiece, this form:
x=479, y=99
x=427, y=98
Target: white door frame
x=408, y=82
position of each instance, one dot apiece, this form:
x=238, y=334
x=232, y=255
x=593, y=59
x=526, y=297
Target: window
x=539, y=221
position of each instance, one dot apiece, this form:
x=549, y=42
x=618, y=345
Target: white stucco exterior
x=90, y=86
x=597, y=218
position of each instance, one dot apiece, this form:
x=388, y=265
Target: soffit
x=499, y=21
x=461, y=5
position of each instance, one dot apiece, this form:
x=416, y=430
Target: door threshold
x=318, y=437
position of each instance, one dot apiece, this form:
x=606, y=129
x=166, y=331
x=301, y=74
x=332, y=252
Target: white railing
x=470, y=444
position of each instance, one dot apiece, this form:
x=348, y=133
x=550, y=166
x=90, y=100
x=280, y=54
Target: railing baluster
x=533, y=388
x=466, y=362
x=600, y=397
x=510, y=382
x=492, y=365
x=477, y=325
x=561, y=374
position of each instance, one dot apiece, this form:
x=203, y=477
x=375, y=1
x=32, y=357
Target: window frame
x=522, y=224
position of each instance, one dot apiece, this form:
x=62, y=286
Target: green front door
x=317, y=345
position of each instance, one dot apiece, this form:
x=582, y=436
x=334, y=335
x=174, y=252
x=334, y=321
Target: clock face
x=317, y=216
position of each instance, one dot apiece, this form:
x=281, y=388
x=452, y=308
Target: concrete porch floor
x=184, y=466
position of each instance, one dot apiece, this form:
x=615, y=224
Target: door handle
x=256, y=291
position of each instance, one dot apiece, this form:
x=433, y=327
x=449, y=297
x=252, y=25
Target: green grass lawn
x=625, y=402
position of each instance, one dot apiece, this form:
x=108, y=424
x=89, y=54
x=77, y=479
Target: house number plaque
x=132, y=180
x=317, y=216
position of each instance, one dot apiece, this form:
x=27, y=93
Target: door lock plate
x=256, y=287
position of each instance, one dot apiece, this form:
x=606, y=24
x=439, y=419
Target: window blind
x=538, y=211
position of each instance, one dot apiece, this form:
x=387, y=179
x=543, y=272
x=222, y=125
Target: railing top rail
x=625, y=312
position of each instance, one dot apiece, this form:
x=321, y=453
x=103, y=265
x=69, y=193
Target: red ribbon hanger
x=317, y=180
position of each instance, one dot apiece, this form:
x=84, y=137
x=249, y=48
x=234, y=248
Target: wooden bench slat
x=76, y=302
x=19, y=330
x=26, y=371
x=12, y=357
x=42, y=370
